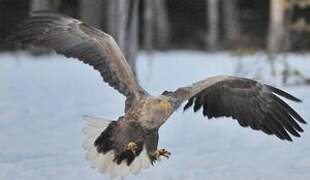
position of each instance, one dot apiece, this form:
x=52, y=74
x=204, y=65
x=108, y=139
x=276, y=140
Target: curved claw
x=161, y=152
x=133, y=147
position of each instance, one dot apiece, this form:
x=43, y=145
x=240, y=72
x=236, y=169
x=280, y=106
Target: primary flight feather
x=128, y=145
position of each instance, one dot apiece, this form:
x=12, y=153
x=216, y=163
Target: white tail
x=104, y=162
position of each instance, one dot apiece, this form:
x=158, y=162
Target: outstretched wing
x=253, y=104
x=74, y=38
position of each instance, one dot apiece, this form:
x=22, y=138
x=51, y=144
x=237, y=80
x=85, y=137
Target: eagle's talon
x=133, y=147
x=161, y=152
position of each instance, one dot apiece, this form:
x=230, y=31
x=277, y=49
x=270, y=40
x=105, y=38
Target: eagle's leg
x=133, y=147
x=160, y=152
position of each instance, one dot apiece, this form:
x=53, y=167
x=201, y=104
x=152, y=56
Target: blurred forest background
x=241, y=26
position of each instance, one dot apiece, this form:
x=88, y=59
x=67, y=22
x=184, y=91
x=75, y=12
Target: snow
x=43, y=99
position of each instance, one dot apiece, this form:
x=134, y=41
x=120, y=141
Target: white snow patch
x=42, y=102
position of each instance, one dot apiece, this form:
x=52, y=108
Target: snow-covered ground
x=42, y=102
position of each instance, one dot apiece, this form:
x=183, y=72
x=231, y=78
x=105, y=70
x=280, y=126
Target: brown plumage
x=253, y=104
x=129, y=144
x=74, y=38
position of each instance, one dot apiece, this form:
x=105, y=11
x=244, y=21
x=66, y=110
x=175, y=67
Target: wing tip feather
x=283, y=94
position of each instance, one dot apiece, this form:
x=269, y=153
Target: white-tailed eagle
x=129, y=144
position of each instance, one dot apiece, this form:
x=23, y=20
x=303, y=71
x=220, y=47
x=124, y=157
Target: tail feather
x=136, y=167
x=104, y=163
x=93, y=129
x=96, y=122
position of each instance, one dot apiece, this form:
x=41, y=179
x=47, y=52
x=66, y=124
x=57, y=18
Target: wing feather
x=253, y=104
x=73, y=38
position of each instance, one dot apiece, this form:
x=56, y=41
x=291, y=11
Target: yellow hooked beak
x=165, y=105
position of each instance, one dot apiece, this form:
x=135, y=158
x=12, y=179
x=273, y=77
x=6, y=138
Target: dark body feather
x=118, y=134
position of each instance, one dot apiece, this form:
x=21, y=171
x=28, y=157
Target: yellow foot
x=161, y=152
x=133, y=147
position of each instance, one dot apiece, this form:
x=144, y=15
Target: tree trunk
x=123, y=13
x=132, y=37
x=162, y=30
x=90, y=11
x=148, y=33
x=123, y=26
x=213, y=24
x=39, y=5
x=11, y=13
x=231, y=22
x=156, y=25
x=276, y=36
